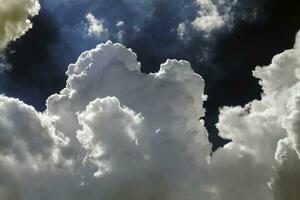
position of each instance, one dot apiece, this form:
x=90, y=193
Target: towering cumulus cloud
x=115, y=133
x=14, y=18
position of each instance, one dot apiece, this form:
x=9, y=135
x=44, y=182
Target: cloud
x=264, y=132
x=114, y=132
x=14, y=19
x=95, y=27
x=148, y=18
x=281, y=82
x=208, y=18
x=102, y=16
x=30, y=136
x=219, y=16
x=139, y=129
x=4, y=65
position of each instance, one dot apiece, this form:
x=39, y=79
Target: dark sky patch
x=35, y=75
x=237, y=54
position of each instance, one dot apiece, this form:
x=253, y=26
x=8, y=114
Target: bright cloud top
x=14, y=18
x=115, y=133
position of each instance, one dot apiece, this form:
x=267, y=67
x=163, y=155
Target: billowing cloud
x=116, y=133
x=14, y=19
x=264, y=133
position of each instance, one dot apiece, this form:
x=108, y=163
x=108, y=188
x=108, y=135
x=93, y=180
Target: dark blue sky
x=225, y=59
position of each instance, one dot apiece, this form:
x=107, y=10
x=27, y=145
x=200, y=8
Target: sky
x=149, y=99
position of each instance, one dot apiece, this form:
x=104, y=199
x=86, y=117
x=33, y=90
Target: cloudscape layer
x=116, y=133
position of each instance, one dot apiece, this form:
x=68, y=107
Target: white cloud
x=281, y=86
x=266, y=129
x=28, y=136
x=95, y=27
x=118, y=138
x=120, y=23
x=183, y=31
x=209, y=17
x=14, y=18
x=115, y=133
x=213, y=16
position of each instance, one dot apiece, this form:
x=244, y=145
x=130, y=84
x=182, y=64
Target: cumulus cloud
x=114, y=132
x=14, y=19
x=264, y=132
x=280, y=82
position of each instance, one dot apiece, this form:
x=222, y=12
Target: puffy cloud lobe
x=118, y=137
x=28, y=136
x=29, y=149
x=14, y=19
x=114, y=133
